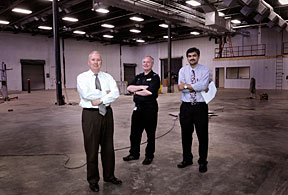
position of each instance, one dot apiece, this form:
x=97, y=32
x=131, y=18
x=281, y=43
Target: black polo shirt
x=153, y=81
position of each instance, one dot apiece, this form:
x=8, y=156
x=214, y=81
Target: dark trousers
x=143, y=118
x=194, y=116
x=98, y=131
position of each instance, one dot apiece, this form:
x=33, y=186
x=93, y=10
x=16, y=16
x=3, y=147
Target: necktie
x=193, y=93
x=102, y=107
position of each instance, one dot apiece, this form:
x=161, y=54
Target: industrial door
x=33, y=70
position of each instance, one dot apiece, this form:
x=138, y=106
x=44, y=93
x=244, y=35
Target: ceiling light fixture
x=22, y=11
x=135, y=30
x=166, y=37
x=283, y=2
x=140, y=41
x=102, y=10
x=79, y=32
x=221, y=14
x=193, y=3
x=70, y=19
x=107, y=25
x=108, y=36
x=45, y=27
x=194, y=33
x=235, y=21
x=136, y=18
x=4, y=22
x=163, y=25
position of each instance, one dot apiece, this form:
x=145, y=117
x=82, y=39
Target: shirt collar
x=197, y=66
x=92, y=73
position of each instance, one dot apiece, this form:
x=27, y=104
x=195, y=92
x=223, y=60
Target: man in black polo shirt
x=145, y=88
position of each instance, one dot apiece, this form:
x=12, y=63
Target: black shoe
x=184, y=164
x=130, y=157
x=114, y=180
x=94, y=187
x=147, y=161
x=202, y=168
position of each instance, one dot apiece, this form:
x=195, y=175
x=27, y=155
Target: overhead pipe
x=160, y=11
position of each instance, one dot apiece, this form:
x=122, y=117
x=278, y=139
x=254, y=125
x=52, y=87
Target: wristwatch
x=185, y=87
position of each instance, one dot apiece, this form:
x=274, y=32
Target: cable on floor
x=77, y=167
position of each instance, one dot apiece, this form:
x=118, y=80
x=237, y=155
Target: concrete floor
x=248, y=147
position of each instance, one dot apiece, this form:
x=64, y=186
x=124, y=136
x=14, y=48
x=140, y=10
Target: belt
x=94, y=109
x=193, y=104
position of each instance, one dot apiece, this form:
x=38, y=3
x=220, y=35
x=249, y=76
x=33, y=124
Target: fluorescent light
x=79, y=32
x=166, y=37
x=22, y=11
x=163, y=25
x=235, y=21
x=194, y=33
x=4, y=22
x=193, y=3
x=108, y=36
x=140, y=41
x=283, y=2
x=102, y=10
x=70, y=19
x=138, y=19
x=45, y=27
x=107, y=25
x=135, y=30
x=221, y=14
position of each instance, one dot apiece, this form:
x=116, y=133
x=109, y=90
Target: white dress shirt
x=87, y=89
x=202, y=81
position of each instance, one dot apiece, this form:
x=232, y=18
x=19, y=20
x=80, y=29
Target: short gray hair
x=94, y=52
x=152, y=59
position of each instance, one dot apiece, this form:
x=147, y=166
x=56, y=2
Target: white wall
x=14, y=47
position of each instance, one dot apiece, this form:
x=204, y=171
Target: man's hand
x=206, y=90
x=96, y=102
x=108, y=91
x=143, y=87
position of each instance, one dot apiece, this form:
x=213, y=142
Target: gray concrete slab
x=248, y=147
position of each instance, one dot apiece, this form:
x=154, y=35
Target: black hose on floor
x=77, y=167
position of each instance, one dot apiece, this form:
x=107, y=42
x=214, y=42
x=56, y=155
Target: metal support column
x=169, y=58
x=60, y=100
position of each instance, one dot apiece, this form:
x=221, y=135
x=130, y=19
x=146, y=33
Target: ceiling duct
x=214, y=20
x=246, y=11
x=262, y=9
x=282, y=23
x=249, y=6
x=250, y=3
x=180, y=15
x=273, y=19
x=231, y=3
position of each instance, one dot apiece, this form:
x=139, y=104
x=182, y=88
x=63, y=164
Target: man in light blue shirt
x=193, y=111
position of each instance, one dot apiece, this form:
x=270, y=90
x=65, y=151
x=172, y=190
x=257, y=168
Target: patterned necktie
x=102, y=107
x=193, y=93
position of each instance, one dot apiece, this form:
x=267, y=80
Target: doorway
x=176, y=65
x=33, y=70
x=219, y=80
x=129, y=72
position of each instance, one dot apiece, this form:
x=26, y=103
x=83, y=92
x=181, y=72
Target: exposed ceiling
x=183, y=18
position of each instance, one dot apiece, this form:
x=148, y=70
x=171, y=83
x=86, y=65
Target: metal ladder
x=279, y=72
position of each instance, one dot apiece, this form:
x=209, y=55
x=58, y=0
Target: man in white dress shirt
x=97, y=91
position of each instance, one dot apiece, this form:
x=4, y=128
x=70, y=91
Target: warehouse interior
x=45, y=44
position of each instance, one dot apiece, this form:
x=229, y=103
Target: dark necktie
x=102, y=107
x=193, y=93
